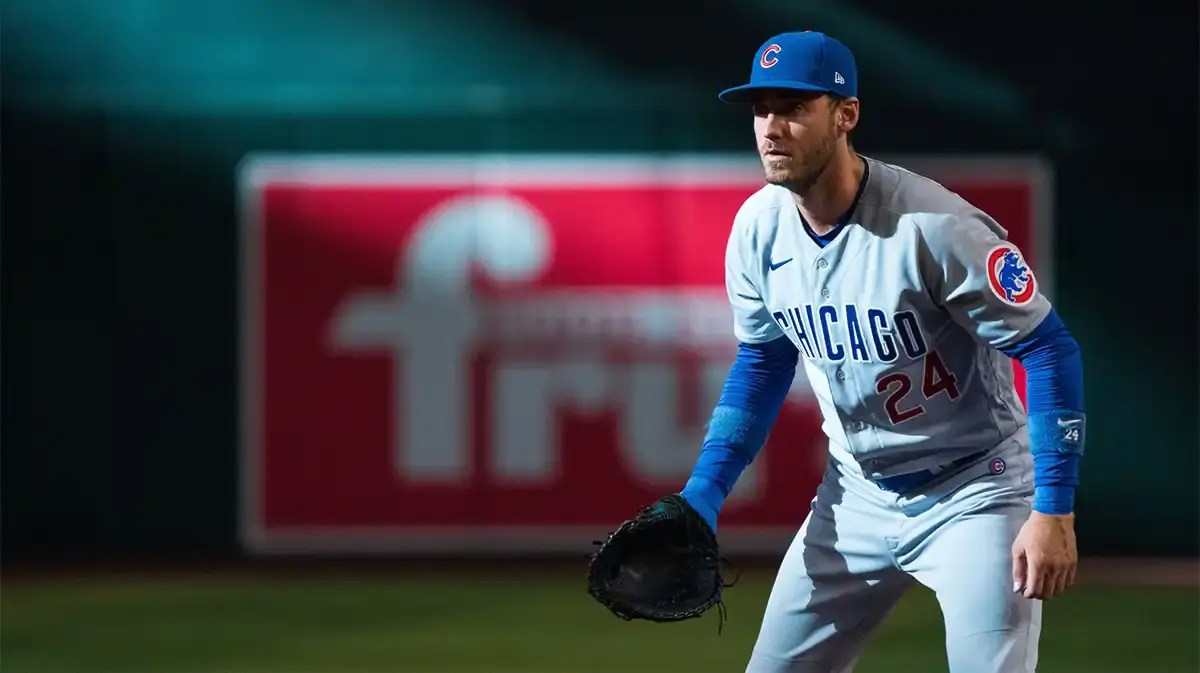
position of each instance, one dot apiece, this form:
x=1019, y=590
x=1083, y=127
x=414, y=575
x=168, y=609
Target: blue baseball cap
x=802, y=61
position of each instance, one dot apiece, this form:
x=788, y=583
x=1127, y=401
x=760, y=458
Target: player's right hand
x=706, y=509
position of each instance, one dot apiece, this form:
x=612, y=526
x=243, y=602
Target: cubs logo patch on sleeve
x=1009, y=276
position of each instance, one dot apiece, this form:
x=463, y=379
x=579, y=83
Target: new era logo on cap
x=801, y=61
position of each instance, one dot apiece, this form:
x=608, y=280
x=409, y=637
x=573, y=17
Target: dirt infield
x=1128, y=571
x=1140, y=572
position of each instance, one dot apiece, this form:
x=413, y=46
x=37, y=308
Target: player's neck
x=827, y=200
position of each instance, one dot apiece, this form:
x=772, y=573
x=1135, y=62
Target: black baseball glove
x=662, y=565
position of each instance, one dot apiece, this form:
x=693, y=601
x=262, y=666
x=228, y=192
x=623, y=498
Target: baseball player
x=905, y=304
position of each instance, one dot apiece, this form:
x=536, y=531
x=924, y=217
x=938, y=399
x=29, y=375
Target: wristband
x=1057, y=443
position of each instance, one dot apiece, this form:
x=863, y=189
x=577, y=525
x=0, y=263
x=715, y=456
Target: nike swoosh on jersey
x=1067, y=424
x=776, y=266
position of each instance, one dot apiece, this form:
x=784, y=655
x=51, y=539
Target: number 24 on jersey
x=936, y=379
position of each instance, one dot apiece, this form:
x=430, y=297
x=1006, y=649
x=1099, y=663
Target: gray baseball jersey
x=897, y=320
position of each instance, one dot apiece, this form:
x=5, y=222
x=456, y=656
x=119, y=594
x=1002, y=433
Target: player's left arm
x=985, y=283
x=1044, y=554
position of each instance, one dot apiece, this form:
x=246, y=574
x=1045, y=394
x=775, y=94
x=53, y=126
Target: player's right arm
x=754, y=390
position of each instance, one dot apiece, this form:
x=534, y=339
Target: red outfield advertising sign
x=511, y=354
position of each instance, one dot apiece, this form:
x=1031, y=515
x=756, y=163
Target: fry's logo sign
x=495, y=354
x=554, y=347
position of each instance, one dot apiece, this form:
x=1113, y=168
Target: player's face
x=797, y=133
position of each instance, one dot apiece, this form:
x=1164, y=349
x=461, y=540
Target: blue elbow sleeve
x=754, y=391
x=1054, y=395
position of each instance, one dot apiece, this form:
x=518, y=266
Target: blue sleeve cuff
x=1057, y=440
x=1054, y=499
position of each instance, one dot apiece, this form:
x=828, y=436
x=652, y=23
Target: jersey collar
x=825, y=240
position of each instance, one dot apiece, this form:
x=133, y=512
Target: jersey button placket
x=821, y=264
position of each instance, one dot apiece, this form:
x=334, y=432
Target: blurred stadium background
x=335, y=331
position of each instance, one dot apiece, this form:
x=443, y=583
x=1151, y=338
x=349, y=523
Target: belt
x=902, y=483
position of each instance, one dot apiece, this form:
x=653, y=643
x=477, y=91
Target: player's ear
x=847, y=114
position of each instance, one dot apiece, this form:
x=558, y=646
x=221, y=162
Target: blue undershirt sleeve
x=1054, y=397
x=754, y=391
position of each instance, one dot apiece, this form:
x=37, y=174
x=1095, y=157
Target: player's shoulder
x=761, y=211
x=923, y=202
x=767, y=201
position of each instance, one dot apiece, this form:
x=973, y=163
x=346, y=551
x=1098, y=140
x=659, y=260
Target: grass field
x=460, y=622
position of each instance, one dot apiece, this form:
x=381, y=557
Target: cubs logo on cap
x=800, y=61
x=1009, y=276
x=768, y=56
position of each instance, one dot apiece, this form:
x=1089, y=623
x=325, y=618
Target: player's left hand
x=1044, y=556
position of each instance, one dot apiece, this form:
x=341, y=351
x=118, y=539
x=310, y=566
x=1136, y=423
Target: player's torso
x=902, y=387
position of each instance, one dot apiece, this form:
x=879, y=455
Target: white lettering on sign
x=549, y=352
x=526, y=398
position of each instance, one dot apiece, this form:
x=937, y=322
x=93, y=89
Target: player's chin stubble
x=792, y=174
x=796, y=174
